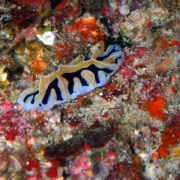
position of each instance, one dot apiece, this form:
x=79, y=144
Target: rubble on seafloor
x=127, y=129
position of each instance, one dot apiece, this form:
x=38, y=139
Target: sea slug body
x=83, y=75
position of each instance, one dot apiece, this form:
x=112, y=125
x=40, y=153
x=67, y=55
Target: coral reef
x=127, y=129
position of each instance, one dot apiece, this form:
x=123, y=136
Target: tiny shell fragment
x=124, y=10
x=46, y=38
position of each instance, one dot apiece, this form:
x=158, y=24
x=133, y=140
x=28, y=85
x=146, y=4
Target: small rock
x=166, y=64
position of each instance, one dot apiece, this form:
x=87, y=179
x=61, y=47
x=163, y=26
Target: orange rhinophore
x=39, y=64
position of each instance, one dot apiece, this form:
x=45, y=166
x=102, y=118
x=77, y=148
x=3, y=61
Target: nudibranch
x=81, y=76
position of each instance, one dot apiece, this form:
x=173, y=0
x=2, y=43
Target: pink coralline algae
x=81, y=168
x=6, y=106
x=141, y=51
x=124, y=169
x=33, y=165
x=127, y=73
x=152, y=88
x=13, y=125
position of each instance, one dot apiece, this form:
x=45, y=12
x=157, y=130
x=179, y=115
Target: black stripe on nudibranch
x=29, y=95
x=52, y=85
x=70, y=76
x=101, y=58
x=87, y=58
x=93, y=68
